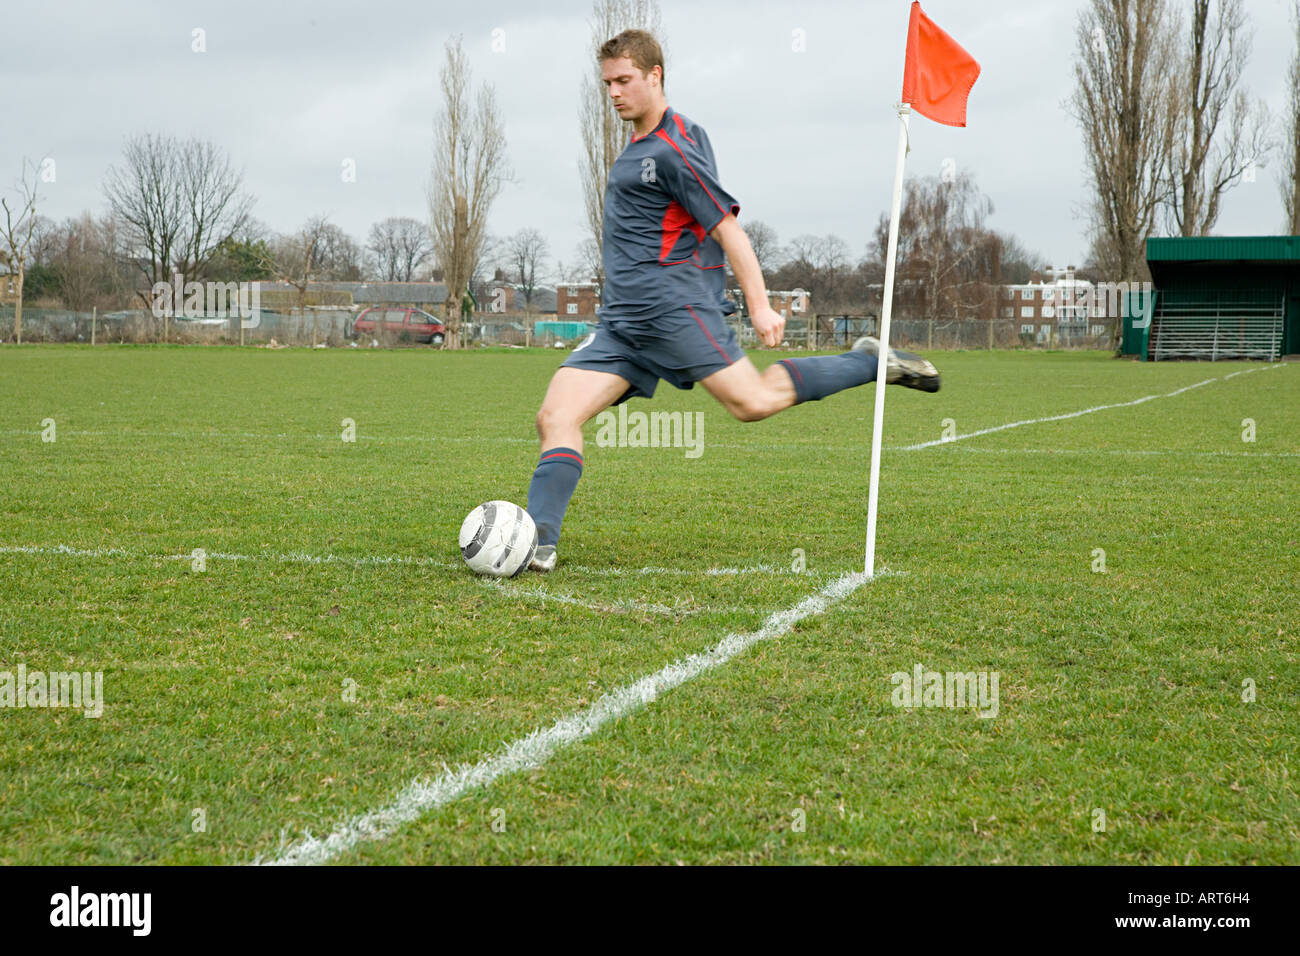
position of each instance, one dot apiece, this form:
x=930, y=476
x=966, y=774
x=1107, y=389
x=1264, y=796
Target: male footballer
x=668, y=223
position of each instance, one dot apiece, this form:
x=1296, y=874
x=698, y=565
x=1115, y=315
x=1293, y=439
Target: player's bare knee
x=545, y=421
x=551, y=419
x=750, y=408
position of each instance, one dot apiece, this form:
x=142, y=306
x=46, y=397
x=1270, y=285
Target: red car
x=419, y=326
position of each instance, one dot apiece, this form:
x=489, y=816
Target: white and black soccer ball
x=498, y=538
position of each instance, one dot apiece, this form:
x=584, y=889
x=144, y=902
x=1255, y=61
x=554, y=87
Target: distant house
x=791, y=302
x=500, y=296
x=503, y=296
x=1062, y=303
x=578, y=299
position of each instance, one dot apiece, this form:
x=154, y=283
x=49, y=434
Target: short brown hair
x=638, y=46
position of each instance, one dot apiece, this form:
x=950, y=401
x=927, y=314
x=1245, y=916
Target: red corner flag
x=938, y=74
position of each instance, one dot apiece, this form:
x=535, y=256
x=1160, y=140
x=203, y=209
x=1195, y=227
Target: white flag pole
x=887, y=307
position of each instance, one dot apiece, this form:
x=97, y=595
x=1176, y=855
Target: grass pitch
x=335, y=648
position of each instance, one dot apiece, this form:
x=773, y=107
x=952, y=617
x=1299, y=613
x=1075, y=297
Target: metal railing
x=1217, y=328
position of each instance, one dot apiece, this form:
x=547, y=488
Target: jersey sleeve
x=692, y=179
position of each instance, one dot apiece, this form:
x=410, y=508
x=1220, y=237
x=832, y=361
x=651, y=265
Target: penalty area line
x=425, y=794
x=1085, y=411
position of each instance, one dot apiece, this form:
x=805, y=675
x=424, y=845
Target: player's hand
x=769, y=326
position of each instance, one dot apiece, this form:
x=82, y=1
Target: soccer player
x=668, y=222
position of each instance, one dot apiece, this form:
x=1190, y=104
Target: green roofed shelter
x=1218, y=297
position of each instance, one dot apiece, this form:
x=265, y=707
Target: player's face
x=632, y=92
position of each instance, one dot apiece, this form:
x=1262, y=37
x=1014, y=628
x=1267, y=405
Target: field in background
x=334, y=647
x=332, y=326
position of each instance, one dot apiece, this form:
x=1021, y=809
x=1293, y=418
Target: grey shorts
x=680, y=347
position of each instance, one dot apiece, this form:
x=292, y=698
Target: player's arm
x=767, y=322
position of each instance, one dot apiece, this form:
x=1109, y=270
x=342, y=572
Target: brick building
x=1059, y=303
x=578, y=299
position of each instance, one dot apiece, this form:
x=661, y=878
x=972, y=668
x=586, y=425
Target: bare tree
x=767, y=249
x=528, y=254
x=945, y=251
x=337, y=256
x=821, y=266
x=399, y=245
x=178, y=201
x=19, y=229
x=1220, y=133
x=1291, y=140
x=589, y=263
x=469, y=169
x=604, y=132
x=1016, y=263
x=762, y=238
x=483, y=278
x=296, y=261
x=82, y=267
x=47, y=240
x=1125, y=70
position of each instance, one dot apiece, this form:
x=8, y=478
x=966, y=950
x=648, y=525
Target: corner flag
x=937, y=73
x=937, y=78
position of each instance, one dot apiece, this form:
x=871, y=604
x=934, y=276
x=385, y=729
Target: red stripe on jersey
x=676, y=218
x=682, y=128
x=669, y=140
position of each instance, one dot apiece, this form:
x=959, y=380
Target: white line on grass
x=528, y=753
x=1170, y=452
x=1085, y=411
x=299, y=557
x=74, y=552
x=266, y=436
x=619, y=606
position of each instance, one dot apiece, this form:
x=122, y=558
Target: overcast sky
x=805, y=141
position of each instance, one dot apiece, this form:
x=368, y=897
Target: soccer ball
x=498, y=538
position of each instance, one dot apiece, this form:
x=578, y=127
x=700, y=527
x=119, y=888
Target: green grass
x=224, y=690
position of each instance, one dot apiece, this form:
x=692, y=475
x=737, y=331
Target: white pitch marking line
x=618, y=606
x=1247, y=371
x=1175, y=452
x=298, y=557
x=528, y=753
x=1057, y=418
x=277, y=436
x=64, y=549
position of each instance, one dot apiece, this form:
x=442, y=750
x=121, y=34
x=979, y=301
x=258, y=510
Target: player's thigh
x=576, y=395
x=744, y=390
